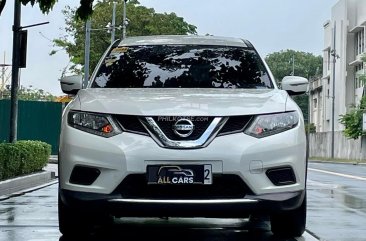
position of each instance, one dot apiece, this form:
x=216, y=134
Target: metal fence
x=37, y=120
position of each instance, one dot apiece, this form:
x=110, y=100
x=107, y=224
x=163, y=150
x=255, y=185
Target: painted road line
x=307, y=237
x=338, y=174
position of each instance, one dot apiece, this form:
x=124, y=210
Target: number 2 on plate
x=208, y=174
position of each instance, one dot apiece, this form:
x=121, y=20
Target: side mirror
x=295, y=85
x=71, y=84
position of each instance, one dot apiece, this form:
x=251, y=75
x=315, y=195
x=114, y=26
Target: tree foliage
x=352, y=121
x=305, y=65
x=82, y=12
x=142, y=21
x=30, y=93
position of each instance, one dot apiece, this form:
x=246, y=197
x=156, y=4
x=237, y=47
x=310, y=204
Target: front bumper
x=238, y=154
x=212, y=208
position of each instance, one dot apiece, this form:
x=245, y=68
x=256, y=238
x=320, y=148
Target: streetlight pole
x=124, y=24
x=4, y=77
x=113, y=32
x=87, y=53
x=334, y=54
x=15, y=74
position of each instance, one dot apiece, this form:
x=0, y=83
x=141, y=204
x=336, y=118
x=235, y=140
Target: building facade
x=344, y=38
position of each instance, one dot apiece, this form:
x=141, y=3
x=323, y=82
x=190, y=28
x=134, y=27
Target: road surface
x=336, y=211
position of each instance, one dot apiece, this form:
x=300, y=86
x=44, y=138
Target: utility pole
x=334, y=54
x=87, y=53
x=88, y=29
x=4, y=77
x=15, y=74
x=124, y=24
x=113, y=22
x=293, y=65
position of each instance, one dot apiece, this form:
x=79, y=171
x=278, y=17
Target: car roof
x=184, y=40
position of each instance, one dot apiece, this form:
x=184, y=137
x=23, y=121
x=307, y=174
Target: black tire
x=75, y=222
x=72, y=222
x=290, y=223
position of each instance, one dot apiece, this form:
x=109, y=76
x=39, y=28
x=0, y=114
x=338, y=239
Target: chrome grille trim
x=209, y=201
x=163, y=141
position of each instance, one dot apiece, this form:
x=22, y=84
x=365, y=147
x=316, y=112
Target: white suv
x=183, y=126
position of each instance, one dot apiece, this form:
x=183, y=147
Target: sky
x=271, y=26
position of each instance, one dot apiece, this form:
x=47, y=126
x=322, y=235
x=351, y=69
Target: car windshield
x=182, y=66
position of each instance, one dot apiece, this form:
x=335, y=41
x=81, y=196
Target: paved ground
x=336, y=212
x=33, y=216
x=337, y=201
x=52, y=167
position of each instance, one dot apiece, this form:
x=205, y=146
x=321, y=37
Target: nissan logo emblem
x=183, y=128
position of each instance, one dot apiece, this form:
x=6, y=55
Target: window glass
x=182, y=66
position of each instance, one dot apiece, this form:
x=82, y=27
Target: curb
x=12, y=186
x=53, y=159
x=337, y=162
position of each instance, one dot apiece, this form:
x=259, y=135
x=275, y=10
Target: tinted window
x=182, y=66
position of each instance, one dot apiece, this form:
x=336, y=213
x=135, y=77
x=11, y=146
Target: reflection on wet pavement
x=33, y=216
x=336, y=205
x=184, y=229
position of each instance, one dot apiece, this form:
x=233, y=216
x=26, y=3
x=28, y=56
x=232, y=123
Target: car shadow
x=181, y=229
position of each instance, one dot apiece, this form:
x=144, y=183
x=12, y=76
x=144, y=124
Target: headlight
x=267, y=125
x=97, y=124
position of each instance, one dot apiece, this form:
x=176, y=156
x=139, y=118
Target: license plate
x=179, y=174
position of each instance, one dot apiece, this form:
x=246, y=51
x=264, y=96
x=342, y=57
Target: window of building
x=315, y=103
x=359, y=70
x=320, y=104
x=360, y=42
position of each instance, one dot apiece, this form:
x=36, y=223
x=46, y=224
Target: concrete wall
x=320, y=146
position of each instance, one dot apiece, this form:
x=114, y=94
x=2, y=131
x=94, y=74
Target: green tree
x=305, y=64
x=142, y=21
x=83, y=11
x=352, y=120
x=30, y=93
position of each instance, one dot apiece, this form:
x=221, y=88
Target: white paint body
x=129, y=153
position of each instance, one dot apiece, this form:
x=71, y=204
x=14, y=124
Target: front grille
x=223, y=187
x=166, y=125
x=235, y=124
x=131, y=123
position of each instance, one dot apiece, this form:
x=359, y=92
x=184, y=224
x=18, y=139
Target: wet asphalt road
x=33, y=216
x=336, y=211
x=337, y=201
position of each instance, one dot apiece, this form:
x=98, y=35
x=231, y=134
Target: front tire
x=290, y=223
x=75, y=222
x=72, y=222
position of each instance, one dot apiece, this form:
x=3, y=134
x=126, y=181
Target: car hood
x=183, y=102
